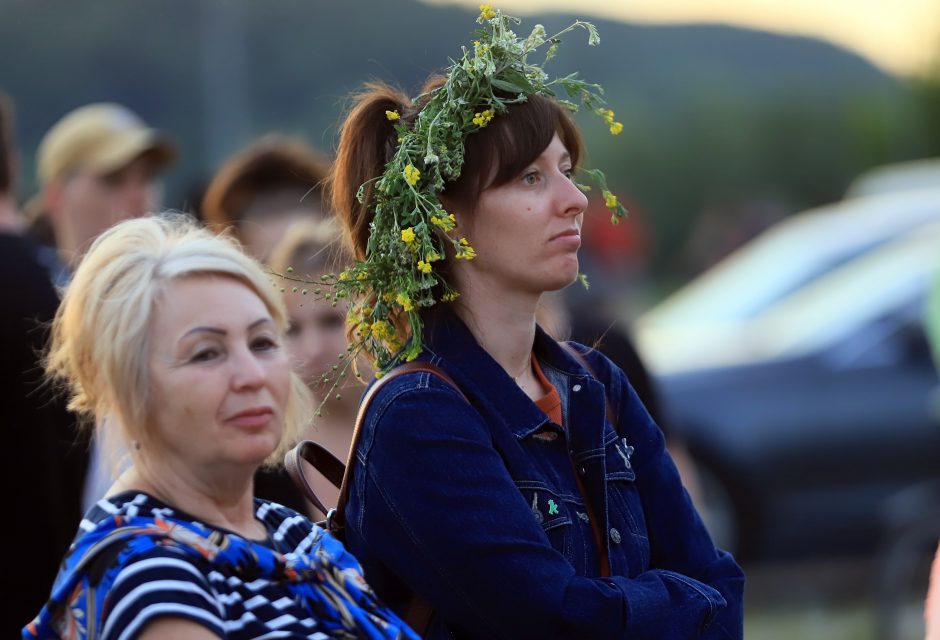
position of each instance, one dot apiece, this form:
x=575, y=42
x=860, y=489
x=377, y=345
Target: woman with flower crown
x=530, y=495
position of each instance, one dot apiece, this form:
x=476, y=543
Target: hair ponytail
x=367, y=142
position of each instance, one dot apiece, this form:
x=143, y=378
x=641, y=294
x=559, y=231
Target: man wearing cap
x=98, y=165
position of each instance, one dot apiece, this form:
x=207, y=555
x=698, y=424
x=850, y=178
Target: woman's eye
x=205, y=355
x=531, y=178
x=263, y=344
x=569, y=173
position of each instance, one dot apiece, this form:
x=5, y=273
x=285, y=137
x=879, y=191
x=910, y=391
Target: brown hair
x=493, y=155
x=271, y=164
x=6, y=145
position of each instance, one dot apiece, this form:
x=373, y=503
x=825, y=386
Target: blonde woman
x=177, y=337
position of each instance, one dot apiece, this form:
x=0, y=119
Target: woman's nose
x=572, y=198
x=249, y=372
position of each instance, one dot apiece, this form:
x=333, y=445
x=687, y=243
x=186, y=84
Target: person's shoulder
x=427, y=374
x=592, y=360
x=288, y=529
x=127, y=504
x=157, y=582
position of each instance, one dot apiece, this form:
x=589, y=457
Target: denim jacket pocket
x=552, y=513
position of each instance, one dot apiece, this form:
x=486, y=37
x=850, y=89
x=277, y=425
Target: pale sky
x=901, y=36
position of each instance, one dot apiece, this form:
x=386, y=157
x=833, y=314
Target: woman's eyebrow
x=223, y=332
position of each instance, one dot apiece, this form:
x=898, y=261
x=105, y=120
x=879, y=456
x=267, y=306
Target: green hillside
x=711, y=113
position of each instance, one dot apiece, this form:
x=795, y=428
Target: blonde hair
x=100, y=335
x=308, y=246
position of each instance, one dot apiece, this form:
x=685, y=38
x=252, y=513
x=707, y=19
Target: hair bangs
x=501, y=151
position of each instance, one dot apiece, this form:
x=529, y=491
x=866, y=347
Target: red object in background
x=616, y=246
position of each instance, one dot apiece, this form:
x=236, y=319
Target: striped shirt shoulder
x=166, y=582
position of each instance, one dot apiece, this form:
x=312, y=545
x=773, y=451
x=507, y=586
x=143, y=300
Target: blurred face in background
x=261, y=232
x=83, y=204
x=316, y=336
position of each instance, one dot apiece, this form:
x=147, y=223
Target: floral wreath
x=410, y=227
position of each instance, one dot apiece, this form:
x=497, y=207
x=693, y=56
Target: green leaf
x=504, y=85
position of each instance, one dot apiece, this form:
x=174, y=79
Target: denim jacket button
x=581, y=470
x=576, y=388
x=614, y=536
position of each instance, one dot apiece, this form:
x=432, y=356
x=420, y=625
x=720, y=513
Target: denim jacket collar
x=448, y=341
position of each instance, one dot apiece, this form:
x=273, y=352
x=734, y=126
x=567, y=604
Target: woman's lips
x=252, y=418
x=571, y=237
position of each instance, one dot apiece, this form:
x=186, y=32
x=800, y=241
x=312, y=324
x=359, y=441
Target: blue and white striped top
x=172, y=565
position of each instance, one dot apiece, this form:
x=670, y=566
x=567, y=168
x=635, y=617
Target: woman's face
x=316, y=336
x=527, y=232
x=220, y=376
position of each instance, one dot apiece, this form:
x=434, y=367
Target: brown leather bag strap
x=337, y=519
x=332, y=468
x=419, y=613
x=322, y=460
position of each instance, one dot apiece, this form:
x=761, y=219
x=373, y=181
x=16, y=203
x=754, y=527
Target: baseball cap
x=101, y=137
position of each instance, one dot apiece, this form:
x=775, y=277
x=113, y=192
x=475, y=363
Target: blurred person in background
x=98, y=165
x=176, y=336
x=316, y=336
x=256, y=196
x=40, y=458
x=263, y=188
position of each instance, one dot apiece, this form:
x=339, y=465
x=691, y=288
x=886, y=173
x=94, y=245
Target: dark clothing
x=478, y=508
x=276, y=486
x=43, y=459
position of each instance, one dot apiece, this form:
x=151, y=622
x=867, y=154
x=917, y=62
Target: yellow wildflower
x=450, y=297
x=434, y=256
x=364, y=329
x=344, y=275
x=465, y=251
x=392, y=115
x=387, y=297
x=424, y=267
x=482, y=118
x=608, y=115
x=404, y=301
x=381, y=330
x=446, y=223
x=616, y=128
x=362, y=275
x=610, y=200
x=408, y=235
x=486, y=12
x=412, y=175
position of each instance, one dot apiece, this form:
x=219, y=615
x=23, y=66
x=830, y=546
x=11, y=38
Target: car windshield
x=792, y=255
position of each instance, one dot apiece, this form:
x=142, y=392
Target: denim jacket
x=478, y=508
